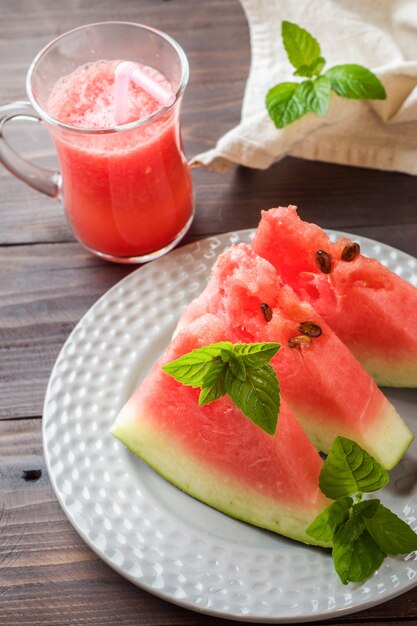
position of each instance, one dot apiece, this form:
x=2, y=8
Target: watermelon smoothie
x=127, y=193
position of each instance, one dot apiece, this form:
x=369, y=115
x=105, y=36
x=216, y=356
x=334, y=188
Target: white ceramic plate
x=149, y=531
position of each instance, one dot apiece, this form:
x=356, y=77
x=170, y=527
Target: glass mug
x=127, y=189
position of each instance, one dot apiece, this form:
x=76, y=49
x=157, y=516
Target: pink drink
x=127, y=194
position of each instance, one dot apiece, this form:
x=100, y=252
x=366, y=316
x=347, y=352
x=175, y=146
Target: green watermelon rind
x=386, y=440
x=177, y=466
x=402, y=374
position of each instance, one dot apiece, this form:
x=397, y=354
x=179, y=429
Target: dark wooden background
x=47, y=282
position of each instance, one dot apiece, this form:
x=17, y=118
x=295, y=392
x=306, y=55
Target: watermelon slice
x=371, y=309
x=217, y=454
x=322, y=382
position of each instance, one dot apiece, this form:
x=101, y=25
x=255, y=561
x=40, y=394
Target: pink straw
x=124, y=73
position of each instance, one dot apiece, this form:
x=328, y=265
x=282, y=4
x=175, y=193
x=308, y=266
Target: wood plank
x=333, y=196
x=50, y=576
x=44, y=290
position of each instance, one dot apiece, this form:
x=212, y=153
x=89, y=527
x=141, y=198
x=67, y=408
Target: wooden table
x=47, y=282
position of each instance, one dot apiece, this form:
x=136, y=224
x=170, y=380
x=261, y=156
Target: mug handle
x=43, y=179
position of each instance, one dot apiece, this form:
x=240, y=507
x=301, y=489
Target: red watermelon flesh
x=371, y=309
x=324, y=385
x=218, y=455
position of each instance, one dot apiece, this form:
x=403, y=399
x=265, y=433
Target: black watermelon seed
x=350, y=251
x=310, y=329
x=266, y=312
x=323, y=261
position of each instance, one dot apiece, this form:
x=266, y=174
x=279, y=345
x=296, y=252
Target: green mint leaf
x=316, y=94
x=191, y=368
x=367, y=508
x=287, y=102
x=212, y=386
x=311, y=70
x=215, y=370
x=237, y=367
x=356, y=81
x=325, y=526
x=257, y=397
x=392, y=534
x=256, y=354
x=226, y=354
x=301, y=47
x=241, y=370
x=350, y=531
x=284, y=104
x=356, y=555
x=349, y=469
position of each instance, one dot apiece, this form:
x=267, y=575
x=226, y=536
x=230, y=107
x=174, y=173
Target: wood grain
x=44, y=290
x=48, y=576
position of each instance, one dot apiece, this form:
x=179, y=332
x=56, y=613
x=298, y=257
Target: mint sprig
x=355, y=81
x=240, y=370
x=350, y=469
x=362, y=532
x=390, y=532
x=356, y=555
x=301, y=47
x=325, y=525
x=288, y=101
x=193, y=367
x=285, y=104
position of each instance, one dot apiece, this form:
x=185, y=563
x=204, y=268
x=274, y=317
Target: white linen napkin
x=379, y=34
